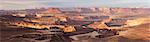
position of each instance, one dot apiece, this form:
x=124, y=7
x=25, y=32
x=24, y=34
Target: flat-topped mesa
x=53, y=10
x=65, y=28
x=51, y=20
x=47, y=19
x=98, y=25
x=109, y=24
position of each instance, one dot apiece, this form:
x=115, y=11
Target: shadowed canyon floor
x=138, y=33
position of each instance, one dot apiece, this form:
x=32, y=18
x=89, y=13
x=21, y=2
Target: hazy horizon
x=28, y=4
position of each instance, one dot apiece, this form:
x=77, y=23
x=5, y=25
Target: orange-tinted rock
x=53, y=10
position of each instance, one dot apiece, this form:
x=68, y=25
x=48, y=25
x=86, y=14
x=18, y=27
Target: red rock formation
x=53, y=10
x=128, y=11
x=104, y=10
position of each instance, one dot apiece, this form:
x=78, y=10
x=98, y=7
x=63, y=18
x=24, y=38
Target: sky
x=28, y=4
